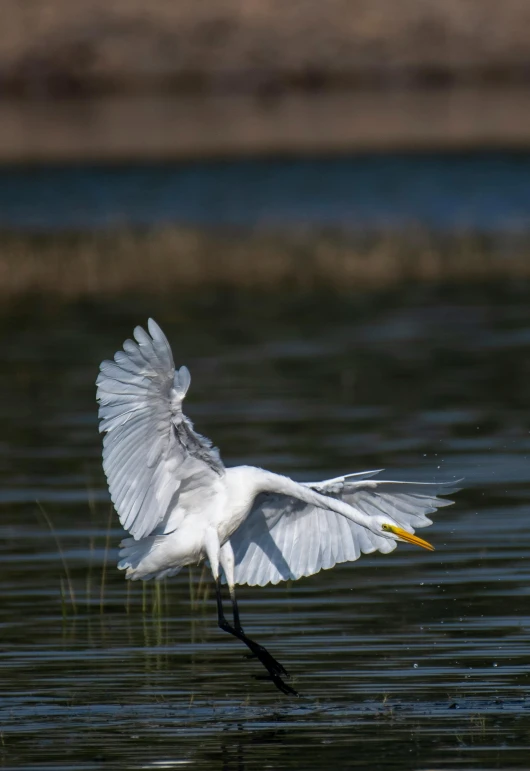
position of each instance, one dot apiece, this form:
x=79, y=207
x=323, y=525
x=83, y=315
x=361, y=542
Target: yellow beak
x=409, y=538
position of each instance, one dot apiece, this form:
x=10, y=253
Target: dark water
x=413, y=660
x=484, y=191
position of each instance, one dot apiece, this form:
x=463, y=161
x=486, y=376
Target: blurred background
x=327, y=208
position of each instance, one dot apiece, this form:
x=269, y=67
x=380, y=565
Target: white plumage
x=284, y=538
x=150, y=451
x=181, y=505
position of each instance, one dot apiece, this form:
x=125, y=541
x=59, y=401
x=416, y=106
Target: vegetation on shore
x=174, y=261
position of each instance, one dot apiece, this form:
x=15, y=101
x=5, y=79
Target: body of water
x=413, y=660
x=479, y=191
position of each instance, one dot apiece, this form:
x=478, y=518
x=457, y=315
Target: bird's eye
x=386, y=528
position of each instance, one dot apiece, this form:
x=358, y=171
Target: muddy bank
x=119, y=129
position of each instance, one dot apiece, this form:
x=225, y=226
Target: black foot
x=272, y=666
x=279, y=683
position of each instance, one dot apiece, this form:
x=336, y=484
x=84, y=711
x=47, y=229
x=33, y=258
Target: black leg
x=258, y=651
x=235, y=611
x=273, y=667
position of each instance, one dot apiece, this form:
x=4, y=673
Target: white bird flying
x=181, y=505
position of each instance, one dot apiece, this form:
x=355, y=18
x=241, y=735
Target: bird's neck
x=276, y=483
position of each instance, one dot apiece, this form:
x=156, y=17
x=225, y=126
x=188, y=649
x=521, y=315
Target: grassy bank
x=176, y=261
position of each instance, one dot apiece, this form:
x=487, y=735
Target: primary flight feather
x=181, y=505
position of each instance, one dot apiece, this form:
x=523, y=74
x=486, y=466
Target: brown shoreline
x=154, y=128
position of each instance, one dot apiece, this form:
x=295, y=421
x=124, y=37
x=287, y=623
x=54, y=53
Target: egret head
x=398, y=534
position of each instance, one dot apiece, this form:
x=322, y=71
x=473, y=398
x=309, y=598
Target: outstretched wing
x=151, y=454
x=284, y=538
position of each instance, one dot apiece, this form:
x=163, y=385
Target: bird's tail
x=140, y=559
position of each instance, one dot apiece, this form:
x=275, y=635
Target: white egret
x=181, y=505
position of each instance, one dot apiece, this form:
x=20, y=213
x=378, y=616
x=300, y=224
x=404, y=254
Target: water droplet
x=495, y=665
x=416, y=666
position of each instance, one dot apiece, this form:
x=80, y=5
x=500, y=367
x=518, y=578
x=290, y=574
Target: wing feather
x=283, y=538
x=150, y=449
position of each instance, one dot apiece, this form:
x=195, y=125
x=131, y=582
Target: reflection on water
x=409, y=660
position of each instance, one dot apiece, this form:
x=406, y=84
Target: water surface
x=485, y=191
x=410, y=660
